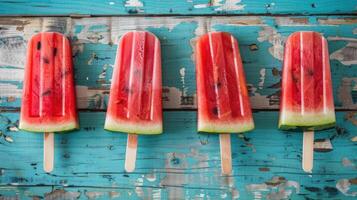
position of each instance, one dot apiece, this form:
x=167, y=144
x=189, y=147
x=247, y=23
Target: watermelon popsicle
x=48, y=103
x=307, y=98
x=135, y=94
x=223, y=101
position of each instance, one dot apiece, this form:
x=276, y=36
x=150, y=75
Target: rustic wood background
x=179, y=164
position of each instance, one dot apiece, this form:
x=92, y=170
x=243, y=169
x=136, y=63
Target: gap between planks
x=74, y=16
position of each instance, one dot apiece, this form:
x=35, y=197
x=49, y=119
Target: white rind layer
x=312, y=119
x=225, y=127
x=47, y=127
x=148, y=128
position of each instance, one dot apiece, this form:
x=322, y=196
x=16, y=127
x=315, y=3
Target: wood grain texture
x=169, y=7
x=180, y=163
x=261, y=43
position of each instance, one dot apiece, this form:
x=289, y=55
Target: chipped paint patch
x=156, y=194
x=92, y=57
x=77, y=47
x=234, y=21
x=173, y=97
x=346, y=89
x=292, y=21
x=235, y=194
x=93, y=195
x=62, y=194
x=114, y=194
x=354, y=139
x=10, y=90
x=133, y=3
x=138, y=187
x=276, y=39
x=256, y=99
x=275, y=188
x=56, y=24
x=151, y=177
x=253, y=47
x=95, y=30
x=221, y=5
x=11, y=74
x=229, y=5
x=351, y=116
x=347, y=86
x=12, y=51
x=346, y=55
x=262, y=78
x=8, y=139
x=344, y=186
x=198, y=6
x=337, y=21
x=120, y=26
x=175, y=165
x=91, y=98
x=200, y=158
x=322, y=145
x=347, y=162
x=228, y=183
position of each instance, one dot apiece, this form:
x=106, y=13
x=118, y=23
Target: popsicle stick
x=226, y=154
x=308, y=151
x=130, y=154
x=48, y=152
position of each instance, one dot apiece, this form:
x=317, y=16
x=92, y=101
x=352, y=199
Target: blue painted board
x=261, y=42
x=181, y=163
x=169, y=7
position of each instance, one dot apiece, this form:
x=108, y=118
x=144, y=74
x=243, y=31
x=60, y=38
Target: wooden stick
x=308, y=151
x=226, y=154
x=130, y=154
x=48, y=152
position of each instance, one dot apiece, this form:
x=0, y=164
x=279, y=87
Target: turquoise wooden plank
x=181, y=163
x=261, y=44
x=168, y=7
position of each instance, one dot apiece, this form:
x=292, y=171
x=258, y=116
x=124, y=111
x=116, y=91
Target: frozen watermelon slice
x=223, y=101
x=135, y=94
x=48, y=102
x=307, y=98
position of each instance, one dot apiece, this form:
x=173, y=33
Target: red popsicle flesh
x=307, y=98
x=223, y=101
x=48, y=103
x=135, y=94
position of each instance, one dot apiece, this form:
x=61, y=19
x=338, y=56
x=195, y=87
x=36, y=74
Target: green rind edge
x=247, y=128
x=63, y=129
x=123, y=129
x=307, y=128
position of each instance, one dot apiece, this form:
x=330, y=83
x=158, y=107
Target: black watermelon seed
x=38, y=45
x=46, y=93
x=215, y=111
x=46, y=60
x=126, y=90
x=54, y=51
x=219, y=84
x=310, y=72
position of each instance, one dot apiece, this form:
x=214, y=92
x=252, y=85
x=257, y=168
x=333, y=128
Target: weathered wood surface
x=180, y=163
x=174, y=7
x=261, y=41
